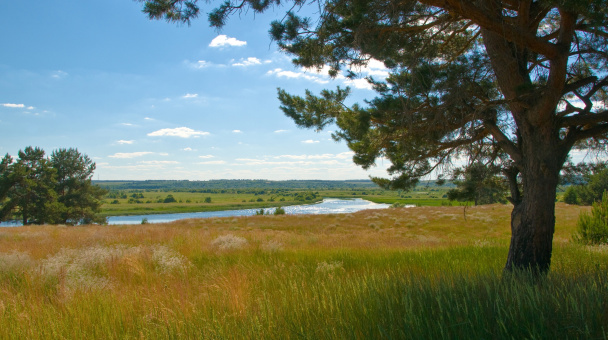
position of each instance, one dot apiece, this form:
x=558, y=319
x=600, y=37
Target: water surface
x=327, y=206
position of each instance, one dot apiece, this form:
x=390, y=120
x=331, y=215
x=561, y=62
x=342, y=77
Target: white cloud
x=310, y=141
x=190, y=95
x=122, y=141
x=206, y=156
x=292, y=156
x=223, y=41
x=280, y=131
x=323, y=156
x=127, y=124
x=59, y=74
x=296, y=75
x=148, y=118
x=212, y=162
x=265, y=162
x=373, y=68
x=158, y=162
x=17, y=106
x=359, y=83
x=188, y=149
x=201, y=64
x=345, y=155
x=237, y=131
x=342, y=159
x=130, y=154
x=182, y=132
x=248, y=62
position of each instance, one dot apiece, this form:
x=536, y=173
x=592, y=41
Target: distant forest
x=220, y=184
x=175, y=185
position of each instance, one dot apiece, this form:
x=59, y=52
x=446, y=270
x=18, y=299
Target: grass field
x=409, y=273
x=136, y=202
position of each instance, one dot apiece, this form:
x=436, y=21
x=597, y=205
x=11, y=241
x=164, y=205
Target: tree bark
x=538, y=154
x=533, y=216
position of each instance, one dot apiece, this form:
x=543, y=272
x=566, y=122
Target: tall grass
x=287, y=277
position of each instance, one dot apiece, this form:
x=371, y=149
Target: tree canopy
x=40, y=190
x=515, y=84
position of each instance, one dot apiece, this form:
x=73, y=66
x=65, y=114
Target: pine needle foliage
x=593, y=228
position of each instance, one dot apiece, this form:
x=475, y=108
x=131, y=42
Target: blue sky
x=152, y=100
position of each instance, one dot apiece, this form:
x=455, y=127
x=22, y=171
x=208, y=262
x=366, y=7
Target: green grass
x=195, y=201
x=367, y=275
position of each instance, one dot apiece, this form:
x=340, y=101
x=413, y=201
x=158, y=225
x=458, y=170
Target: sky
x=154, y=100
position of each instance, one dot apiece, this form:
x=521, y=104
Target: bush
x=170, y=199
x=279, y=211
x=570, y=196
x=593, y=229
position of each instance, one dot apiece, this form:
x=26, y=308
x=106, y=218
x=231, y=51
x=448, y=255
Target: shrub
x=279, y=211
x=570, y=196
x=593, y=229
x=169, y=199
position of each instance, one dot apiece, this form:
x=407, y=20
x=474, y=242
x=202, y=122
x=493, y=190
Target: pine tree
x=515, y=83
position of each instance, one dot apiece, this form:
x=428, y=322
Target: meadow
x=136, y=201
x=406, y=273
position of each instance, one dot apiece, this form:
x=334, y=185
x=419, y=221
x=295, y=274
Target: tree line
x=213, y=186
x=37, y=189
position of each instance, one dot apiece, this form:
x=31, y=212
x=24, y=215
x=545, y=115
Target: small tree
x=570, y=196
x=593, y=229
x=478, y=183
x=80, y=198
x=169, y=199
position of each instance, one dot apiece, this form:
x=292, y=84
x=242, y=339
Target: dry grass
x=197, y=278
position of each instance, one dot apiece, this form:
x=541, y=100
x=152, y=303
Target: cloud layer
x=182, y=132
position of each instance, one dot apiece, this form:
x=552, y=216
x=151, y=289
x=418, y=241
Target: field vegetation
x=422, y=272
x=155, y=197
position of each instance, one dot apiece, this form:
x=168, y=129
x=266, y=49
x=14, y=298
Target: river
x=327, y=206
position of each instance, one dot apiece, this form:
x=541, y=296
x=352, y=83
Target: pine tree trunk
x=533, y=217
